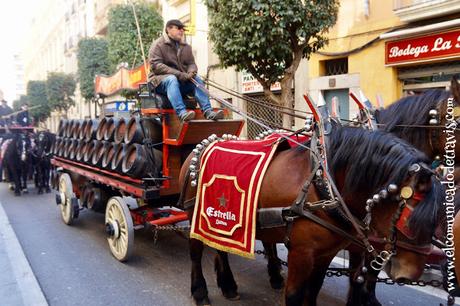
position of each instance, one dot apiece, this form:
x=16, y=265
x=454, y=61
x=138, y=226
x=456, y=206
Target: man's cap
x=175, y=22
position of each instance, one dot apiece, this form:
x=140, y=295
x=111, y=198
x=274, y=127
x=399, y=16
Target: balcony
x=415, y=10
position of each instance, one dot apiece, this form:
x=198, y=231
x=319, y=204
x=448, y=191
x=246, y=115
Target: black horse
x=409, y=119
x=41, y=159
x=16, y=160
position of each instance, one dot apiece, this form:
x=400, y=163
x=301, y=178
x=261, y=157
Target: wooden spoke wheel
x=66, y=194
x=119, y=228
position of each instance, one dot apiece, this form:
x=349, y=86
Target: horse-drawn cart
x=130, y=200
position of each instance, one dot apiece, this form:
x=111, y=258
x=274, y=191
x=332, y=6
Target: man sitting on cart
x=172, y=68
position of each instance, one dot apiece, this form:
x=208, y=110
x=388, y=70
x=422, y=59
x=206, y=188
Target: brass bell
x=383, y=194
x=433, y=121
x=406, y=192
x=433, y=112
x=193, y=183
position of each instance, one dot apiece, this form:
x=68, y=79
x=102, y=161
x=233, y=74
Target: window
x=336, y=66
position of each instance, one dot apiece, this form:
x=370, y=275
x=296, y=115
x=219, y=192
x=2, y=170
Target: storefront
x=424, y=57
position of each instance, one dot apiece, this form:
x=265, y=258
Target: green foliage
x=267, y=37
x=60, y=89
x=92, y=58
x=37, y=100
x=23, y=99
x=122, y=34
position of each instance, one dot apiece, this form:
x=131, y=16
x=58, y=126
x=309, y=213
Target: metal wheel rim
x=117, y=214
x=65, y=191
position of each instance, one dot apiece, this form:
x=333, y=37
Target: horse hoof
x=40, y=191
x=11, y=187
x=25, y=190
x=48, y=190
x=277, y=284
x=17, y=194
x=203, y=302
x=231, y=296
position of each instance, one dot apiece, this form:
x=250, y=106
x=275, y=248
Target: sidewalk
x=18, y=285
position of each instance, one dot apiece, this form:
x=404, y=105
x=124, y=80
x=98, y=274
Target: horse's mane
x=372, y=160
x=411, y=110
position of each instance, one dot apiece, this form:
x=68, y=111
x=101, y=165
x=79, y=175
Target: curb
x=27, y=284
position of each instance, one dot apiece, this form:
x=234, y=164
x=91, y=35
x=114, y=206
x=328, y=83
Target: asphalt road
x=74, y=266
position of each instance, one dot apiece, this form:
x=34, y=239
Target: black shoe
x=187, y=116
x=212, y=115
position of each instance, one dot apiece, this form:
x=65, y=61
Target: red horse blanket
x=228, y=190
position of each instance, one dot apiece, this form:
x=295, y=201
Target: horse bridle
x=301, y=208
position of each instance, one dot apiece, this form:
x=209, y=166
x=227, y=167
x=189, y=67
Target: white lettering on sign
x=212, y=212
x=409, y=50
x=457, y=45
x=440, y=44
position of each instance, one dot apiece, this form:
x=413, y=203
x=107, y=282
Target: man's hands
x=186, y=76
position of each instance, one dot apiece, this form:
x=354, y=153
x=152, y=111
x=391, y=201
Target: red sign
x=423, y=48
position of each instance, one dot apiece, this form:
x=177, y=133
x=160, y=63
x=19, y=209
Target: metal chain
x=183, y=229
x=338, y=272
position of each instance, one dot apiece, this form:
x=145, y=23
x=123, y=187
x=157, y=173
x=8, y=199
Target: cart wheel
x=119, y=228
x=67, y=203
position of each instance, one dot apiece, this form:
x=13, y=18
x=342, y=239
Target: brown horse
x=409, y=118
x=362, y=163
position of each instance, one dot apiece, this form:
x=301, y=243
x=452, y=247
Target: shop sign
x=423, y=48
x=250, y=85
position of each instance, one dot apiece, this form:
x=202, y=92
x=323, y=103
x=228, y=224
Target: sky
x=15, y=16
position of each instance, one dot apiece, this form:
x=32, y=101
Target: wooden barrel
x=97, y=199
x=138, y=129
x=62, y=147
x=117, y=159
x=56, y=144
x=68, y=129
x=89, y=150
x=72, y=149
x=120, y=130
x=76, y=129
x=91, y=129
x=110, y=128
x=108, y=156
x=80, y=150
x=136, y=162
x=62, y=127
x=82, y=131
x=99, y=151
x=102, y=127
x=67, y=147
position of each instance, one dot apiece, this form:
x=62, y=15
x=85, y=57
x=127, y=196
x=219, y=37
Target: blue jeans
x=175, y=89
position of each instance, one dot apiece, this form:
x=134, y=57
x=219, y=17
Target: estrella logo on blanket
x=220, y=216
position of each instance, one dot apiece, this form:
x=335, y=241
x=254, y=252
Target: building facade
x=387, y=49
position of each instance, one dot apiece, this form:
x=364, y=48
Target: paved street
x=73, y=265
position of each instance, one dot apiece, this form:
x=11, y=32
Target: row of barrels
x=127, y=157
x=117, y=130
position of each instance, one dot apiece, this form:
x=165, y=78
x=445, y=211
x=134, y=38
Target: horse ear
x=455, y=88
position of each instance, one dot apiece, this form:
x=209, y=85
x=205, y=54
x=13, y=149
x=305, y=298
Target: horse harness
x=335, y=207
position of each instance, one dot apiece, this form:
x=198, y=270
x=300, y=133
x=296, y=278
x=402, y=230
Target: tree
x=23, y=99
x=268, y=38
x=122, y=34
x=60, y=89
x=92, y=58
x=37, y=100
